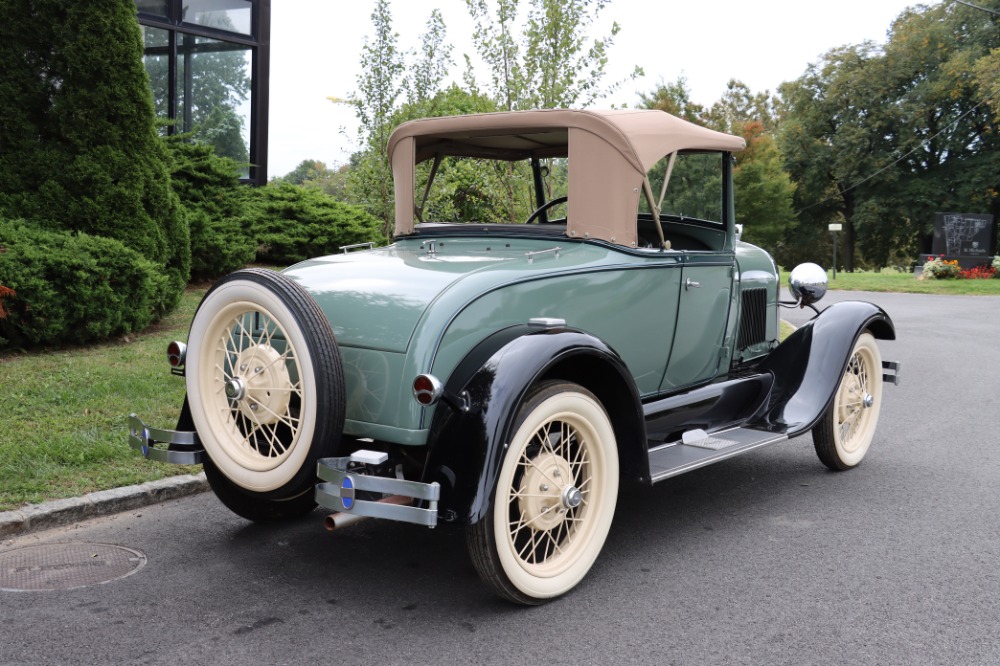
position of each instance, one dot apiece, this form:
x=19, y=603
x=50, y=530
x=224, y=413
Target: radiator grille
x=753, y=320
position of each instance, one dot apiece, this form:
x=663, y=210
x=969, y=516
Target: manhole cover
x=65, y=566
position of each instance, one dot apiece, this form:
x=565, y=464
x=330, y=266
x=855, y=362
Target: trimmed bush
x=209, y=191
x=63, y=287
x=292, y=223
x=79, y=149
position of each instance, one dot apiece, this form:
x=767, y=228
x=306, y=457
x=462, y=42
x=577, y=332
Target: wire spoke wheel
x=265, y=387
x=844, y=434
x=554, y=500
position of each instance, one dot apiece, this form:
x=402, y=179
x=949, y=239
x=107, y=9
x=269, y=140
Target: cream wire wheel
x=844, y=433
x=554, y=500
x=265, y=386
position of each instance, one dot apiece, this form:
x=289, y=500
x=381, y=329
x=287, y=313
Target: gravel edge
x=37, y=517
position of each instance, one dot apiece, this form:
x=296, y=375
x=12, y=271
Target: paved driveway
x=764, y=559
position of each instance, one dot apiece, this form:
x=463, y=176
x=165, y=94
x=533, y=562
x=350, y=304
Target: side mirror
x=807, y=283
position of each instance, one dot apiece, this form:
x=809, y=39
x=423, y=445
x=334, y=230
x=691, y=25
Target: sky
x=316, y=48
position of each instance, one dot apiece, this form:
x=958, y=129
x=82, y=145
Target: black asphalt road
x=766, y=559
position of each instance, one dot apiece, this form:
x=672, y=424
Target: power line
x=982, y=9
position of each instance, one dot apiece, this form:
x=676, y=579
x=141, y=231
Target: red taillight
x=427, y=389
x=176, y=351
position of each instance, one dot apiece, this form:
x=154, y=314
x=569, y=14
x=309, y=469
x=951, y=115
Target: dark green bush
x=292, y=223
x=209, y=191
x=73, y=287
x=79, y=150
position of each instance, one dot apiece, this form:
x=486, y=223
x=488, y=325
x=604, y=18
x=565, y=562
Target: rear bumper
x=348, y=487
x=179, y=447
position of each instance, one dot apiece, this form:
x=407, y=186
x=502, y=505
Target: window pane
x=695, y=188
x=154, y=7
x=156, y=57
x=213, y=82
x=231, y=15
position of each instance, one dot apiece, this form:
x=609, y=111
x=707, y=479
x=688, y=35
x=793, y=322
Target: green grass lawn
x=62, y=426
x=906, y=283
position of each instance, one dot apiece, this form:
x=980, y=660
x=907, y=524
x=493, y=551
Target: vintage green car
x=506, y=377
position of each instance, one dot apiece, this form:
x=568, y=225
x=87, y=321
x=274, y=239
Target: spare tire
x=265, y=385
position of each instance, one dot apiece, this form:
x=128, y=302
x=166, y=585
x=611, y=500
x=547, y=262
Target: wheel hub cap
x=263, y=388
x=546, y=492
x=868, y=400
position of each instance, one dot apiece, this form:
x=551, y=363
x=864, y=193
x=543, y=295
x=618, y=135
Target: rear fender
x=470, y=431
x=809, y=364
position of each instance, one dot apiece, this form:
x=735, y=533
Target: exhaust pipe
x=339, y=520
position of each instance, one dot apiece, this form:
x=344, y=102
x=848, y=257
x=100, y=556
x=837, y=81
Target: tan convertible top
x=609, y=154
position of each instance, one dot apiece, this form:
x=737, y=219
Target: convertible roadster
x=506, y=375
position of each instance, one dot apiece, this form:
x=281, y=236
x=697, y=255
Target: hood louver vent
x=753, y=321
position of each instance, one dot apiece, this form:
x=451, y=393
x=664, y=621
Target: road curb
x=101, y=503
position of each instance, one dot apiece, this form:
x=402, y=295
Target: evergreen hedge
x=292, y=223
x=211, y=196
x=63, y=287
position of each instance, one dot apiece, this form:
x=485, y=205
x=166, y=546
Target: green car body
x=401, y=311
x=506, y=377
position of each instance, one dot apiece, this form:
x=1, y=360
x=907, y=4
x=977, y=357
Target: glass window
x=231, y=15
x=156, y=57
x=213, y=91
x=695, y=187
x=154, y=7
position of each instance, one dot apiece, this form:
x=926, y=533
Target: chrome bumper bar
x=183, y=448
x=890, y=371
x=344, y=478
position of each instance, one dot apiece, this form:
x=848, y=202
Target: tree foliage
x=763, y=190
x=377, y=103
x=78, y=146
x=880, y=138
x=547, y=59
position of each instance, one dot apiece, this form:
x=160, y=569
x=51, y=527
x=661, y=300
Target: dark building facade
x=208, y=64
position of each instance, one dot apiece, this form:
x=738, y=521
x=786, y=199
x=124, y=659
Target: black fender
x=471, y=426
x=809, y=364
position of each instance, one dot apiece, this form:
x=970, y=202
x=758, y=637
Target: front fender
x=467, y=444
x=809, y=364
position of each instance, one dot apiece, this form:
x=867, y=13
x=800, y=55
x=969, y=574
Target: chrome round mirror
x=807, y=283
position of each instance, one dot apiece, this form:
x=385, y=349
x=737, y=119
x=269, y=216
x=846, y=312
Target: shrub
x=63, y=287
x=79, y=150
x=996, y=266
x=209, y=191
x=292, y=223
x=941, y=269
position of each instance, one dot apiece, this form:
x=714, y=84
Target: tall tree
x=547, y=59
x=832, y=140
x=378, y=99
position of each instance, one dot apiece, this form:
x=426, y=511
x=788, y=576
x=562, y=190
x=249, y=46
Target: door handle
x=691, y=284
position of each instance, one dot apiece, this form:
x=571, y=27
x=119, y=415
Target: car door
x=699, y=345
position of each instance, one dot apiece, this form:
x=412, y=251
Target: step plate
x=673, y=459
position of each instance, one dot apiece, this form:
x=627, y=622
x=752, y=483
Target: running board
x=698, y=449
